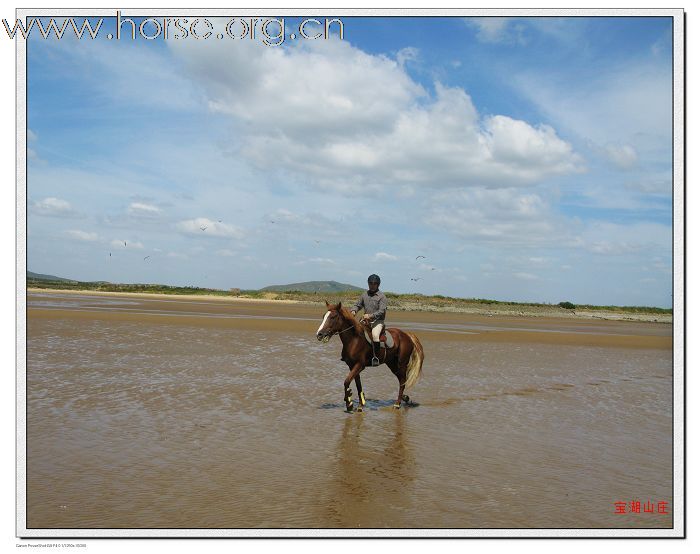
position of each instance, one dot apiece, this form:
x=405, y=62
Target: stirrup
x=375, y=361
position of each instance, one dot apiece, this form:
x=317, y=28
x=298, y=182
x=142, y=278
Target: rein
x=341, y=332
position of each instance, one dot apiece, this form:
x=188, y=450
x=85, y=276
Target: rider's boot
x=375, y=352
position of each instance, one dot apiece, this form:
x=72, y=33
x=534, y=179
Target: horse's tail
x=415, y=362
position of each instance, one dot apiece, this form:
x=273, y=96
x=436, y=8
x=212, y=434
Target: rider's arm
x=359, y=304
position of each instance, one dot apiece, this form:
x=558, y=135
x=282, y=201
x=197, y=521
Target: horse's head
x=332, y=323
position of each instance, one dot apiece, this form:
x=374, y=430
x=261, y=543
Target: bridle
x=328, y=337
x=340, y=332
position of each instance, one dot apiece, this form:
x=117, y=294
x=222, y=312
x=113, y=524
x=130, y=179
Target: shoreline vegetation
x=397, y=302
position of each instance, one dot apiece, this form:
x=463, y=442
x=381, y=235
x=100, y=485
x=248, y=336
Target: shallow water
x=176, y=423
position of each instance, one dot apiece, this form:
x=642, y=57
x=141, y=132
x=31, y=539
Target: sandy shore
x=207, y=297
x=485, y=310
x=265, y=315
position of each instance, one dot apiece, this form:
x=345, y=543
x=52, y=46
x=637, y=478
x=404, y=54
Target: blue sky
x=527, y=158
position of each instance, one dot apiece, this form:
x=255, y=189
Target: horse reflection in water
x=404, y=358
x=373, y=472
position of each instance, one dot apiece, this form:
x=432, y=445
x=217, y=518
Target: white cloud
x=308, y=220
x=393, y=132
x=282, y=86
x=383, y=256
x=623, y=156
x=507, y=216
x=126, y=244
x=496, y=29
x=82, y=235
x=515, y=219
x=612, y=239
x=530, y=153
x=225, y=252
x=630, y=105
x=141, y=209
x=651, y=184
x=53, y=207
x=407, y=54
x=203, y=227
x=569, y=32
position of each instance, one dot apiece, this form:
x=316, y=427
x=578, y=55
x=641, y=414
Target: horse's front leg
x=360, y=394
x=354, y=372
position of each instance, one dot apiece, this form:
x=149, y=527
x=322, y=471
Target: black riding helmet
x=373, y=279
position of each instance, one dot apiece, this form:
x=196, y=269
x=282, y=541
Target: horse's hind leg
x=400, y=372
x=360, y=394
x=402, y=385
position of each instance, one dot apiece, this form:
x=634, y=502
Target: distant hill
x=313, y=286
x=42, y=277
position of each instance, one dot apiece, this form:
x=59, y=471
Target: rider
x=374, y=303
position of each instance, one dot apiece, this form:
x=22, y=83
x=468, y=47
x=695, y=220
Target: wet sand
x=191, y=413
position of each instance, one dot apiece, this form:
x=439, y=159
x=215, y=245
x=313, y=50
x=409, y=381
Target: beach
x=147, y=411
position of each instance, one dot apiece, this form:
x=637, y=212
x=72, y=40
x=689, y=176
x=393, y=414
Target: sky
x=526, y=159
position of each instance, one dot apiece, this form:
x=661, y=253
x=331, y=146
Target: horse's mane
x=347, y=315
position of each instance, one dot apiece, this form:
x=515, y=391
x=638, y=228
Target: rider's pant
x=377, y=329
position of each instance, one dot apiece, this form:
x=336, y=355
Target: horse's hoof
x=397, y=405
x=405, y=398
x=360, y=409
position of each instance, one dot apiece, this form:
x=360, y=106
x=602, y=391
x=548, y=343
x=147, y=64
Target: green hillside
x=31, y=276
x=313, y=287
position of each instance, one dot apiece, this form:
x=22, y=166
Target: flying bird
x=416, y=278
x=124, y=244
x=203, y=228
x=417, y=257
x=146, y=258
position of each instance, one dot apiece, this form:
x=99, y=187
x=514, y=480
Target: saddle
x=386, y=340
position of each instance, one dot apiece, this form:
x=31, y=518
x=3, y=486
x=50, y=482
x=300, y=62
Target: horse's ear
x=327, y=304
x=340, y=305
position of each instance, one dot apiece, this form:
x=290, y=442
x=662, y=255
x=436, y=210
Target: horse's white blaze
x=323, y=323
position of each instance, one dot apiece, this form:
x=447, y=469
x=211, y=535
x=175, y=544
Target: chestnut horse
x=405, y=358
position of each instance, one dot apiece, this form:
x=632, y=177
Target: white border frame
x=679, y=447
